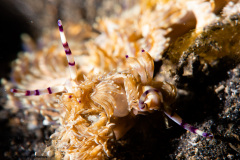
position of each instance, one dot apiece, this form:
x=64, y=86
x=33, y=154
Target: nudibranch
x=93, y=108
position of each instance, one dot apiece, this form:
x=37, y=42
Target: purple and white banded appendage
x=37, y=92
x=172, y=115
x=176, y=118
x=70, y=58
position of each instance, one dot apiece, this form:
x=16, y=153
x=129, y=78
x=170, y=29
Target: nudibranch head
x=151, y=99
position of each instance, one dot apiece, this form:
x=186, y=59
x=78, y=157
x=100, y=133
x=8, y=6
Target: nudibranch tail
x=176, y=118
x=70, y=58
x=37, y=92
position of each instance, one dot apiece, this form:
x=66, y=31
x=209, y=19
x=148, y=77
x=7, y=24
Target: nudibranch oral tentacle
x=70, y=58
x=38, y=92
x=143, y=106
x=68, y=86
x=176, y=118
